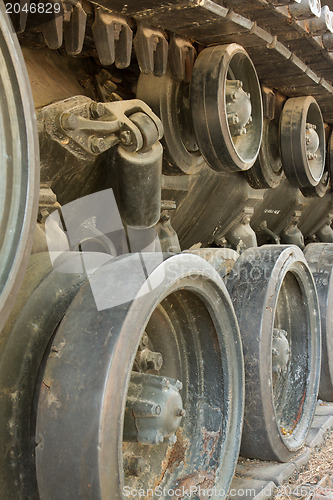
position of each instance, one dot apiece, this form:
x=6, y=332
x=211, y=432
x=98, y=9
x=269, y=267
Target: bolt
x=310, y=126
x=97, y=145
x=97, y=109
x=233, y=119
x=233, y=96
x=250, y=120
x=243, y=131
x=145, y=339
x=308, y=140
x=275, y=352
x=68, y=121
x=154, y=361
x=239, y=84
x=165, y=383
x=126, y=137
x=178, y=385
x=248, y=95
x=181, y=413
x=159, y=438
x=156, y=410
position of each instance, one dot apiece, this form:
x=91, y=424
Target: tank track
x=289, y=56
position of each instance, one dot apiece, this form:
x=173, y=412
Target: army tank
x=176, y=307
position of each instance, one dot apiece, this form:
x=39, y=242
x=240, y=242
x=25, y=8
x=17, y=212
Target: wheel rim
x=226, y=107
x=19, y=160
x=40, y=306
x=279, y=404
x=289, y=355
x=320, y=190
x=302, y=141
x=171, y=465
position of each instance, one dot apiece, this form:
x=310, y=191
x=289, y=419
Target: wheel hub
x=280, y=351
x=154, y=409
x=312, y=141
x=238, y=107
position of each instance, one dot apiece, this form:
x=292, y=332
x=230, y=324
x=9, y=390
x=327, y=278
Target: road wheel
x=276, y=304
x=142, y=394
x=19, y=167
x=320, y=260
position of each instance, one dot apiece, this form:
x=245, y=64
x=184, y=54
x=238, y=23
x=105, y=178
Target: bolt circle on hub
x=226, y=107
x=276, y=303
x=302, y=141
x=116, y=427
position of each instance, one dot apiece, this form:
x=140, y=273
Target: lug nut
x=181, y=413
x=159, y=439
x=97, y=109
x=154, y=361
x=68, y=121
x=165, y=383
x=178, y=385
x=97, y=145
x=233, y=119
x=156, y=410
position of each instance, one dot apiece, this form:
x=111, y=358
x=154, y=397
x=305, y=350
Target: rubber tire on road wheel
x=320, y=260
x=272, y=287
x=19, y=161
x=296, y=112
x=41, y=304
x=209, y=113
x=267, y=171
x=83, y=395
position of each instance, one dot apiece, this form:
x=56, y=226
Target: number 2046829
x=33, y=8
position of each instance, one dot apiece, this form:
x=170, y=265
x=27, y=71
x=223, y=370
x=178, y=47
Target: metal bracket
x=80, y=124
